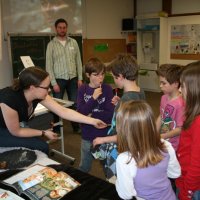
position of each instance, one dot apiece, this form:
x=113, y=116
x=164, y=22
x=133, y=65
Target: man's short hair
x=61, y=20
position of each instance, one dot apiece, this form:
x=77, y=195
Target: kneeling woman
x=17, y=104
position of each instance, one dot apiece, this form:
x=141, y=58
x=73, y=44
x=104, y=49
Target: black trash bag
x=17, y=158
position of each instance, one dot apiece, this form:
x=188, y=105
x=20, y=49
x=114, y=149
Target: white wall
x=178, y=6
x=148, y=6
x=103, y=18
x=5, y=67
x=185, y=6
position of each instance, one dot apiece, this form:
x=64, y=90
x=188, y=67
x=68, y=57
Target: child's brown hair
x=126, y=65
x=94, y=65
x=171, y=72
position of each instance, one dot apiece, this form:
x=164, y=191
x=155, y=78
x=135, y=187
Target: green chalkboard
x=33, y=46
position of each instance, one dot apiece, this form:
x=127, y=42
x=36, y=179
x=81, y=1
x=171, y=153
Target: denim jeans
x=86, y=156
x=34, y=143
x=196, y=195
x=71, y=87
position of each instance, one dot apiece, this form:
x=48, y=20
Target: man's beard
x=62, y=34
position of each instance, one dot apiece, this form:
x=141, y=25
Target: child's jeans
x=86, y=156
x=196, y=195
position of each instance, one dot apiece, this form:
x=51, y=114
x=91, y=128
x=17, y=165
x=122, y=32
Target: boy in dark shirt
x=94, y=99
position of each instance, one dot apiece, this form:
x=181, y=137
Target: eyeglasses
x=45, y=88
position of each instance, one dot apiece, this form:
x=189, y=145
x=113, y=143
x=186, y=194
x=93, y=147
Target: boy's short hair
x=126, y=65
x=61, y=20
x=171, y=72
x=94, y=65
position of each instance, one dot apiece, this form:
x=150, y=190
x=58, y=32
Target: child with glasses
x=94, y=99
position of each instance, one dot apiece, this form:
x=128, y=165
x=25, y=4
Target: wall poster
x=185, y=42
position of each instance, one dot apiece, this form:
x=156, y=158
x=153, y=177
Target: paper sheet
x=27, y=61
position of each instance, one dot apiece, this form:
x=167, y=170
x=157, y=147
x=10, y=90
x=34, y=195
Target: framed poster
x=185, y=42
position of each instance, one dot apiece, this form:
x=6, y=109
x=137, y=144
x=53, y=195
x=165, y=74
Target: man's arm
x=49, y=63
x=79, y=64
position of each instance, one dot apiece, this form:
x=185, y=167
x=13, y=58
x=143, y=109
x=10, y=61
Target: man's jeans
x=71, y=87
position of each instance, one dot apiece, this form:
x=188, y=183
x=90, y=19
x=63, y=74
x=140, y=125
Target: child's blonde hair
x=137, y=134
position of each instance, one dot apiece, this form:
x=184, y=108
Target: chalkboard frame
x=33, y=45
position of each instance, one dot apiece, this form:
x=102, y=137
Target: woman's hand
x=98, y=123
x=50, y=135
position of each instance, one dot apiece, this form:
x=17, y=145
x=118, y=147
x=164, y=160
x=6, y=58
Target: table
x=92, y=188
x=41, y=110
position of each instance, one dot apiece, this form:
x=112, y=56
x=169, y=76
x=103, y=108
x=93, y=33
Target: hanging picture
x=185, y=42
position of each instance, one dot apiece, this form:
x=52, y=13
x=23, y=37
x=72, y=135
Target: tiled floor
x=72, y=140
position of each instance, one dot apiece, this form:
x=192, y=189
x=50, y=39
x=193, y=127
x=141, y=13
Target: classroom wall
x=5, y=68
x=185, y=6
x=178, y=7
x=195, y=19
x=146, y=6
x=101, y=20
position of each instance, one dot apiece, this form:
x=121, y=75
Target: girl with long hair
x=188, y=152
x=145, y=161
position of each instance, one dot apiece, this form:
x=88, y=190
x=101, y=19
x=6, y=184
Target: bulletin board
x=104, y=49
x=185, y=42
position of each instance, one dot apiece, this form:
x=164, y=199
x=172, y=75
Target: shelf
x=129, y=43
x=132, y=48
x=129, y=31
x=150, y=30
